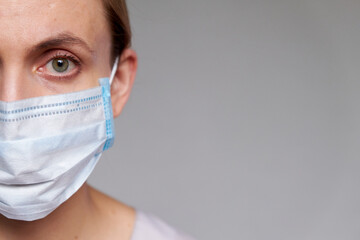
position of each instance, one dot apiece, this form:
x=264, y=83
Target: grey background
x=244, y=119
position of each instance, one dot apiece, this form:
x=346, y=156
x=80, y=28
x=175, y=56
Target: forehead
x=23, y=22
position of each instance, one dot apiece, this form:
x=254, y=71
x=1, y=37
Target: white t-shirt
x=149, y=227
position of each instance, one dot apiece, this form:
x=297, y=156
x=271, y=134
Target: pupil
x=60, y=64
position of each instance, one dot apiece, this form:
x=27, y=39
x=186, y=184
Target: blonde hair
x=118, y=17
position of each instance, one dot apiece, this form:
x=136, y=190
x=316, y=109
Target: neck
x=67, y=221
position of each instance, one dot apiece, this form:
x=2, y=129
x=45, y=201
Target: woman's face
x=51, y=47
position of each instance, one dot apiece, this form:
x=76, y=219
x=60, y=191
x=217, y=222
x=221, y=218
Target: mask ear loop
x=114, y=69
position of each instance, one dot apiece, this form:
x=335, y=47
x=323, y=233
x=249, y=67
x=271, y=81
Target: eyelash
x=66, y=56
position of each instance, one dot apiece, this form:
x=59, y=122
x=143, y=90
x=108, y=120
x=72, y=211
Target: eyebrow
x=60, y=40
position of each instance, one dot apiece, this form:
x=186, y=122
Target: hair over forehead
x=118, y=17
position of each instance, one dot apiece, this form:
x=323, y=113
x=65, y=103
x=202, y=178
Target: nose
x=14, y=83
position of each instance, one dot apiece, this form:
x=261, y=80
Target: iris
x=60, y=64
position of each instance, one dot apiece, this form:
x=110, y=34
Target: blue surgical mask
x=49, y=146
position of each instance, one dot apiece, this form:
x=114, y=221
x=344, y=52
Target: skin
x=27, y=51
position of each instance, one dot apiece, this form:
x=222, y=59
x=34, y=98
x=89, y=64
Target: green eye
x=60, y=64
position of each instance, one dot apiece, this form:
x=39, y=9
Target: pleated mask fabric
x=49, y=146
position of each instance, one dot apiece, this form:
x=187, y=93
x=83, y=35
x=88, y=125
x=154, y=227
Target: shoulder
x=148, y=226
